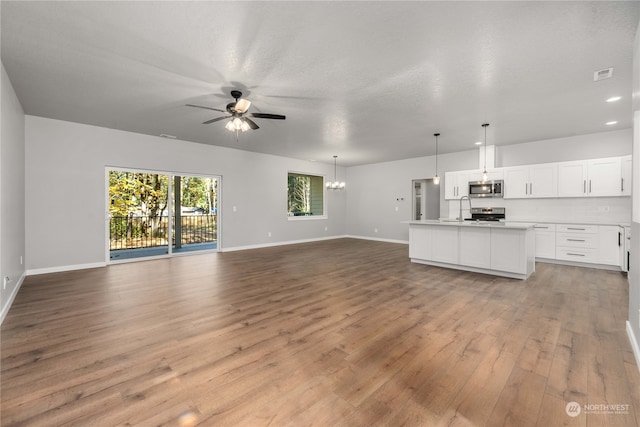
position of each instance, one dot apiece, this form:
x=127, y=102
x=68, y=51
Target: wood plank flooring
x=343, y=332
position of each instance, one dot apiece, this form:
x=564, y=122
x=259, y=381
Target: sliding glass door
x=159, y=214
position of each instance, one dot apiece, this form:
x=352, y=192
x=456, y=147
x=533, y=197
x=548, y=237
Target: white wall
x=581, y=147
x=65, y=190
x=12, y=193
x=373, y=192
x=633, y=324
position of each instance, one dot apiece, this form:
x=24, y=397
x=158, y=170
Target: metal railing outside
x=133, y=232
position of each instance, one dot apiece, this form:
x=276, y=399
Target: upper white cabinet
x=572, y=179
x=625, y=181
x=606, y=177
x=531, y=181
x=456, y=184
x=590, y=178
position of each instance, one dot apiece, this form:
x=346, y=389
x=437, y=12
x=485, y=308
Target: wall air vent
x=605, y=73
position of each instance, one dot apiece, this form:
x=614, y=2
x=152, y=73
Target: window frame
x=323, y=192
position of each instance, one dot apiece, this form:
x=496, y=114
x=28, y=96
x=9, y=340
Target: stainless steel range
x=487, y=214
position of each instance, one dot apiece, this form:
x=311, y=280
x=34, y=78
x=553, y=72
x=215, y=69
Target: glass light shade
x=485, y=175
x=242, y=105
x=245, y=126
x=230, y=126
x=436, y=180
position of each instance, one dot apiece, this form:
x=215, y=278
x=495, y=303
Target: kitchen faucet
x=460, y=214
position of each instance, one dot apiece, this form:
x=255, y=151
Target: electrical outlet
x=375, y=230
x=21, y=260
x=269, y=234
x=396, y=209
x=326, y=228
x=235, y=209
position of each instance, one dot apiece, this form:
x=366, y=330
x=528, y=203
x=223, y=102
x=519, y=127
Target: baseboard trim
x=377, y=239
x=12, y=296
x=283, y=243
x=634, y=344
x=36, y=271
x=579, y=264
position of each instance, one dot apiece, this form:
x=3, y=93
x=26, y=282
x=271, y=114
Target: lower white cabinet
x=545, y=241
x=475, y=247
x=582, y=243
x=420, y=243
x=610, y=242
x=509, y=250
x=445, y=244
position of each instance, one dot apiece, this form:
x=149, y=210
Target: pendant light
x=335, y=185
x=436, y=178
x=485, y=175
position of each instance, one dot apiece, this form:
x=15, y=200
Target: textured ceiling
x=367, y=81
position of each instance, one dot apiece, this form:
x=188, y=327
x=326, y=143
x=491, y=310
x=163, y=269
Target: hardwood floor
x=336, y=333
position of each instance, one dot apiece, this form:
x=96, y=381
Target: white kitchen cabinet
x=492, y=174
x=444, y=244
x=456, y=184
x=516, y=182
x=590, y=178
x=610, y=242
x=625, y=181
x=572, y=179
x=605, y=176
x=545, y=241
x=420, y=242
x=531, y=181
x=509, y=250
x=475, y=246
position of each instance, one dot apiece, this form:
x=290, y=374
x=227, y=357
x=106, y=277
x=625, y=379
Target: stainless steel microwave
x=486, y=188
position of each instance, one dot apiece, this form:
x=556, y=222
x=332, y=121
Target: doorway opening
x=426, y=199
x=160, y=214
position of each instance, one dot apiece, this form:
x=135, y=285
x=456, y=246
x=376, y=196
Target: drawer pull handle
x=544, y=228
x=576, y=240
x=573, y=228
x=572, y=254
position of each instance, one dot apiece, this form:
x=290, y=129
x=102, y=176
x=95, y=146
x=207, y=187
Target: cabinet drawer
x=577, y=254
x=577, y=228
x=577, y=240
x=545, y=227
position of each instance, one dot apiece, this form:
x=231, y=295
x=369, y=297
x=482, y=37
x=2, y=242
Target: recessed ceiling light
x=611, y=123
x=614, y=99
x=478, y=142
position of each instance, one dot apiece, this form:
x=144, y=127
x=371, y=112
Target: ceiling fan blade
x=267, y=116
x=216, y=119
x=206, y=108
x=253, y=125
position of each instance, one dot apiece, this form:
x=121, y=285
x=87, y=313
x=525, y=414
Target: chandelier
x=335, y=185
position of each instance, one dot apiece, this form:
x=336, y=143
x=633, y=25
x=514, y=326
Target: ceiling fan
x=237, y=113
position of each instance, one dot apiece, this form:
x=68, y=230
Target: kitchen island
x=499, y=248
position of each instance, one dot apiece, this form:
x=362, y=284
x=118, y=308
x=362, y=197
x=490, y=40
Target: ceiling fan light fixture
x=244, y=126
x=230, y=126
x=242, y=105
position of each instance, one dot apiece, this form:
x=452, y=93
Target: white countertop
x=456, y=223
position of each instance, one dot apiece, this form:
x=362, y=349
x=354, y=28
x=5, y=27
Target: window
x=305, y=195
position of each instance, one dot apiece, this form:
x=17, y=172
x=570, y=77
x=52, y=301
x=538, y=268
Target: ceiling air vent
x=605, y=73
